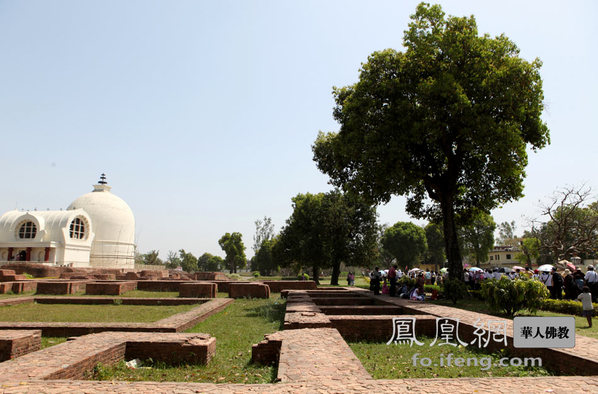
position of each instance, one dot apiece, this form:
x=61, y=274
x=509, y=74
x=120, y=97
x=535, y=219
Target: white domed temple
x=96, y=230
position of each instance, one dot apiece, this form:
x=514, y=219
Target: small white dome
x=113, y=224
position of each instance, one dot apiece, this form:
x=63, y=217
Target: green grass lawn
x=89, y=313
x=12, y=295
x=476, y=305
x=395, y=361
x=236, y=328
x=51, y=341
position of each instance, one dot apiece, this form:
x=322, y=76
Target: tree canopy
x=445, y=123
x=210, y=263
x=406, y=242
x=477, y=238
x=571, y=228
x=264, y=260
x=232, y=245
x=325, y=230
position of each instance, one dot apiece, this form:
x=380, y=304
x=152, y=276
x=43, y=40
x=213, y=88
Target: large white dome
x=113, y=224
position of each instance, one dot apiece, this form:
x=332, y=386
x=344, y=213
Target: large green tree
x=210, y=263
x=325, y=230
x=477, y=238
x=188, y=261
x=446, y=123
x=264, y=260
x=232, y=245
x=406, y=242
x=435, y=240
x=530, y=251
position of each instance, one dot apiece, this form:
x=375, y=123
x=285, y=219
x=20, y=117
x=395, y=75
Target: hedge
x=564, y=306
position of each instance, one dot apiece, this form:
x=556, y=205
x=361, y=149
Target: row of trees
x=187, y=261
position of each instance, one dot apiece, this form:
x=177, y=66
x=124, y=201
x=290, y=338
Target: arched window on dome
x=27, y=230
x=77, y=229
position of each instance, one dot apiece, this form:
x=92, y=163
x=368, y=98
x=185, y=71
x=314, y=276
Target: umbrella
x=443, y=270
x=414, y=270
x=516, y=267
x=475, y=269
x=506, y=270
x=545, y=268
x=572, y=267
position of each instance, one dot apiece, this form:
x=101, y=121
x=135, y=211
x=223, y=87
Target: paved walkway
x=463, y=385
x=314, y=354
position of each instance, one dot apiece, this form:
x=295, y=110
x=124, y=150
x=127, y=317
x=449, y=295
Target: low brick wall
x=110, y=287
x=37, y=270
x=198, y=290
x=73, y=359
x=16, y=343
x=210, y=276
x=299, y=320
x=60, y=287
x=191, y=348
x=361, y=310
x=118, y=300
x=356, y=300
x=248, y=290
x=24, y=286
x=7, y=275
x=276, y=286
x=267, y=351
x=160, y=285
x=175, y=323
x=224, y=285
x=378, y=328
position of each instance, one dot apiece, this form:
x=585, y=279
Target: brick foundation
x=248, y=290
x=110, y=287
x=16, y=343
x=176, y=323
x=199, y=290
x=210, y=276
x=60, y=287
x=276, y=286
x=160, y=285
x=73, y=359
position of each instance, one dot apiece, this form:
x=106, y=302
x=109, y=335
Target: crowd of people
x=572, y=285
x=387, y=282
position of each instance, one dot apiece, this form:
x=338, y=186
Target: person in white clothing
x=586, y=304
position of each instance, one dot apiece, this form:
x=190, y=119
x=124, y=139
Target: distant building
x=502, y=256
x=96, y=230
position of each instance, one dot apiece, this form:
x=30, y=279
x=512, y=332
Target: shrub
x=256, y=274
x=511, y=296
x=454, y=289
x=563, y=306
x=405, y=280
x=430, y=288
x=233, y=276
x=477, y=294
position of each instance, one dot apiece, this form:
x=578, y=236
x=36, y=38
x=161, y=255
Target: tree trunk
x=451, y=241
x=316, y=274
x=336, y=271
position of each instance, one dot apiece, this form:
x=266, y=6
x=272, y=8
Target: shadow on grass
x=271, y=312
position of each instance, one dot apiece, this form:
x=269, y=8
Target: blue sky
x=202, y=113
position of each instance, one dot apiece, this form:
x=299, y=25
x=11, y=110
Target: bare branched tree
x=572, y=226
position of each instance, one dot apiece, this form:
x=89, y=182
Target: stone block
x=16, y=343
x=198, y=290
x=110, y=287
x=248, y=290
